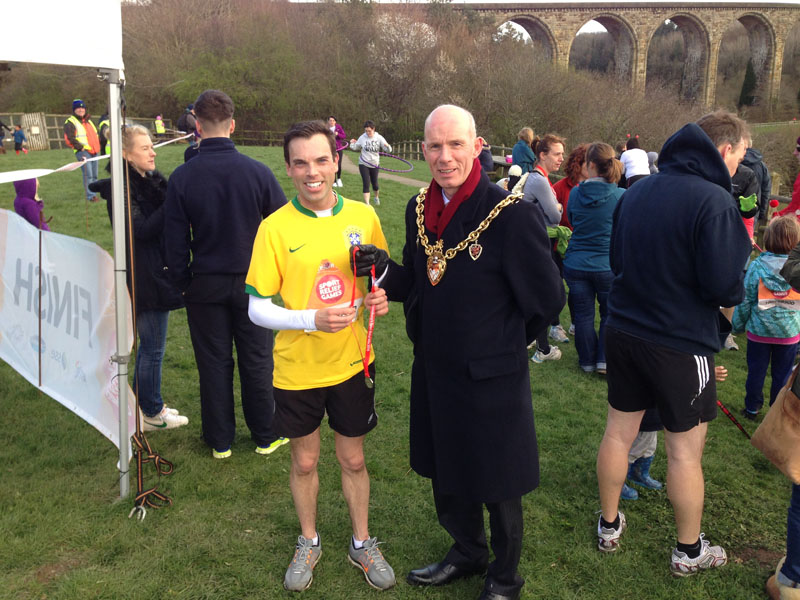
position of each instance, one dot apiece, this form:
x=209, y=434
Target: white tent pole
x=115, y=79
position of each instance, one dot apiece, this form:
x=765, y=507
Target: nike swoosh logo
x=296, y=249
x=159, y=425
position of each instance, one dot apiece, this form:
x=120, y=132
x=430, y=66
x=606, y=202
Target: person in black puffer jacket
x=154, y=294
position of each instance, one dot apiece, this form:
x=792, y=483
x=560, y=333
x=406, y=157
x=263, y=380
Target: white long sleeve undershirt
x=264, y=313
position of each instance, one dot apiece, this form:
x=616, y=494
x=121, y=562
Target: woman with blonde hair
x=153, y=293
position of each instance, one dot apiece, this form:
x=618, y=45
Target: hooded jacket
x=775, y=322
x=755, y=161
x=678, y=249
x=591, y=210
x=27, y=206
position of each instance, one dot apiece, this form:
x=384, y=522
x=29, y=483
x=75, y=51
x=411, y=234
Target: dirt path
x=348, y=166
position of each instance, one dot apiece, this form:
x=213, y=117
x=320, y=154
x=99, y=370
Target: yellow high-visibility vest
x=100, y=125
x=80, y=132
x=160, y=126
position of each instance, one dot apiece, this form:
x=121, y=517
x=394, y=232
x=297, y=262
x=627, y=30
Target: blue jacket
x=678, y=249
x=522, y=155
x=590, y=211
x=19, y=136
x=215, y=203
x=773, y=322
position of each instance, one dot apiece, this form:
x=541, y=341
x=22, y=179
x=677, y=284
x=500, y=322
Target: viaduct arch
x=554, y=26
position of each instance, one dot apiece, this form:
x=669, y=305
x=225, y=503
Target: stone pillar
x=639, y=69
x=709, y=94
x=774, y=82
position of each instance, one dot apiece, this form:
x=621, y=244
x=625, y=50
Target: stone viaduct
x=554, y=26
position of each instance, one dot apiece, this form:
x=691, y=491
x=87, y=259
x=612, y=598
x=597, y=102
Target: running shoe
x=168, y=418
x=730, y=343
x=272, y=447
x=557, y=334
x=369, y=559
x=300, y=573
x=710, y=557
x=221, y=453
x=608, y=538
x=540, y=357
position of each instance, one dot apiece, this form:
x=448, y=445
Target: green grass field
x=231, y=530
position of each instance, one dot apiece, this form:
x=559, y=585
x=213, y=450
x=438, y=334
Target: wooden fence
x=46, y=132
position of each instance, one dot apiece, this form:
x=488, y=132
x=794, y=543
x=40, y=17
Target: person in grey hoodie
x=371, y=143
x=586, y=268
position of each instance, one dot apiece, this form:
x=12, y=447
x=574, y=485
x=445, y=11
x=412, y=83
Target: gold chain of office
x=437, y=257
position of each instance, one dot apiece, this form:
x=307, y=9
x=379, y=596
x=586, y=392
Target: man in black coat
x=215, y=203
x=478, y=286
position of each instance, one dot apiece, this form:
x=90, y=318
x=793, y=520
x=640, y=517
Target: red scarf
x=437, y=215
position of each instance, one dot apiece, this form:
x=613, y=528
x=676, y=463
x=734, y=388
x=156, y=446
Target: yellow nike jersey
x=305, y=259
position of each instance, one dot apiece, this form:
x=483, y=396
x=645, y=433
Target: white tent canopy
x=88, y=34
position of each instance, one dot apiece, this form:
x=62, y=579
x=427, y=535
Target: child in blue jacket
x=19, y=140
x=770, y=314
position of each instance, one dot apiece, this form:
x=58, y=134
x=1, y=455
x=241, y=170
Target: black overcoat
x=471, y=411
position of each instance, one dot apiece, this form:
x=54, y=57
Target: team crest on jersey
x=354, y=236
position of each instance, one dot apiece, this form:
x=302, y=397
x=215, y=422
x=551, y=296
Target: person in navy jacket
x=215, y=203
x=678, y=251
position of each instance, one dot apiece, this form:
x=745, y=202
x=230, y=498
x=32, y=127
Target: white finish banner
x=76, y=295
x=85, y=34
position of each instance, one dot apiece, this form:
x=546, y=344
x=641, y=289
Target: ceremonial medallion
x=436, y=267
x=475, y=250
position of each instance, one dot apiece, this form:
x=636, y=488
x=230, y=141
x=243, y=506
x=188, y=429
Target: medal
x=437, y=257
x=436, y=266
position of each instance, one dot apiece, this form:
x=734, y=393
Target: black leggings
x=339, y=172
x=368, y=174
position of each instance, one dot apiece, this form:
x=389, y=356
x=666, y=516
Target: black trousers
x=463, y=520
x=216, y=308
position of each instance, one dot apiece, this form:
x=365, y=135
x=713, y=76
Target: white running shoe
x=557, y=334
x=540, y=357
x=572, y=328
x=608, y=538
x=710, y=557
x=730, y=343
x=168, y=418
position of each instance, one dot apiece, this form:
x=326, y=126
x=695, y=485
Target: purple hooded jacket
x=26, y=204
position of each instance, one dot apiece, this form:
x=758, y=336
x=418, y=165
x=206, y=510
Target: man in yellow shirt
x=302, y=253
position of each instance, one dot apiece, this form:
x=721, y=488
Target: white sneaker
x=608, y=538
x=339, y=183
x=168, y=418
x=377, y=201
x=730, y=343
x=557, y=334
x=572, y=328
x=710, y=557
x=539, y=356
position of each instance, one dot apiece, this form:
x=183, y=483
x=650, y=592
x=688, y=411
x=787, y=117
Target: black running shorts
x=642, y=375
x=350, y=406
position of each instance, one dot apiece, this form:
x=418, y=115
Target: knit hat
x=78, y=103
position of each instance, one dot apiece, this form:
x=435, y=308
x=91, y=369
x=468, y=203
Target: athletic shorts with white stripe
x=643, y=375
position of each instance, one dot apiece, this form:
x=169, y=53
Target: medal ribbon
x=370, y=325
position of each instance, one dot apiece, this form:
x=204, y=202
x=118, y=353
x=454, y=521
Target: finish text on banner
x=74, y=297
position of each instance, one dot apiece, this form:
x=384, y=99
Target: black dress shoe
x=441, y=574
x=489, y=595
